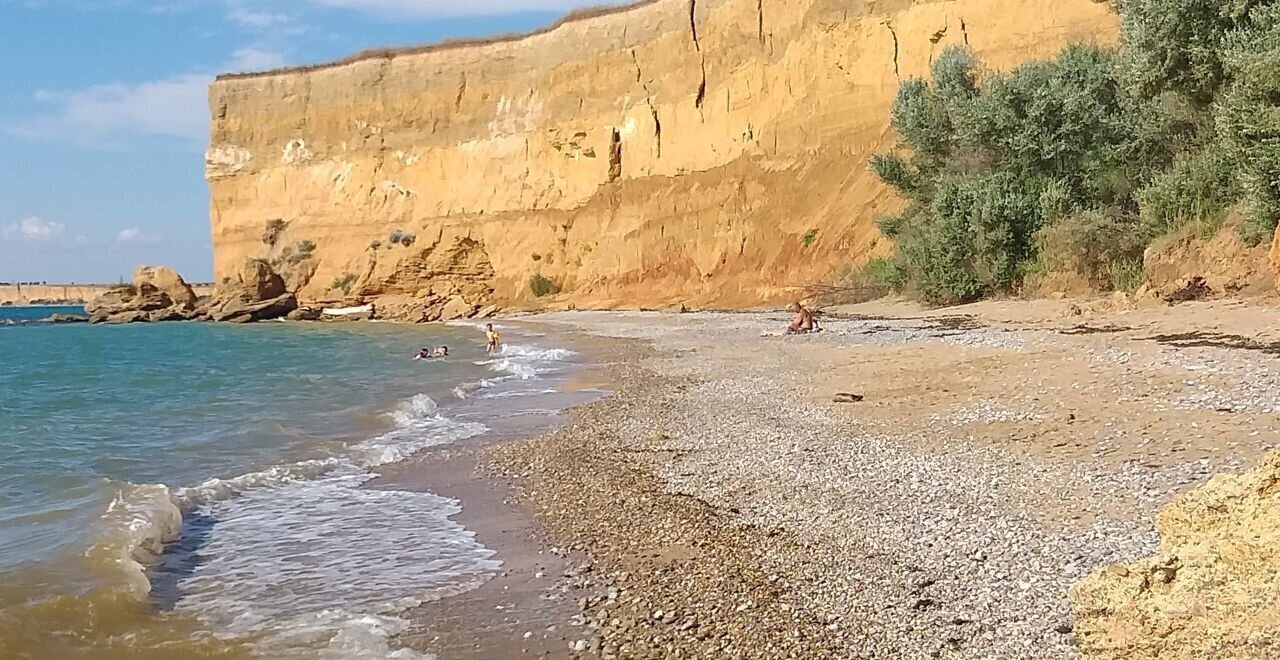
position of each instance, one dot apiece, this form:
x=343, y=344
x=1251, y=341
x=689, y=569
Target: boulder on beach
x=156, y=294
x=65, y=318
x=456, y=307
x=1209, y=593
x=168, y=281
x=304, y=314
x=256, y=293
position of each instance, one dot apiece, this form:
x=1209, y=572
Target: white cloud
x=435, y=8
x=257, y=19
x=113, y=114
x=35, y=230
x=117, y=115
x=135, y=235
x=254, y=59
x=38, y=232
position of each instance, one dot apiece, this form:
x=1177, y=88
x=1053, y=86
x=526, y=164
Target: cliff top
x=448, y=44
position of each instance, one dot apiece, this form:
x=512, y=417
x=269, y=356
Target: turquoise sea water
x=206, y=479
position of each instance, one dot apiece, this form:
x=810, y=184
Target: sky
x=104, y=116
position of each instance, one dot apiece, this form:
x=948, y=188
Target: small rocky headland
x=256, y=293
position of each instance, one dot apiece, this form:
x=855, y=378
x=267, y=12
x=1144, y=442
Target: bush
x=809, y=237
x=344, y=282
x=1127, y=274
x=991, y=163
x=1248, y=118
x=1095, y=246
x=399, y=237
x=272, y=231
x=542, y=286
x=883, y=274
x=1199, y=187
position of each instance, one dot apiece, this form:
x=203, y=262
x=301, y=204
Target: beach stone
x=456, y=308
x=65, y=318
x=257, y=294
x=126, y=304
x=259, y=281
x=304, y=314
x=170, y=282
x=256, y=311
x=156, y=294
x=1210, y=592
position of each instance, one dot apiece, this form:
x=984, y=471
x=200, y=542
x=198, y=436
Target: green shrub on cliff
x=398, y=237
x=540, y=285
x=272, y=231
x=344, y=282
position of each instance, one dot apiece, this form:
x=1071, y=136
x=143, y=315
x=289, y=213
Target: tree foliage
x=1179, y=124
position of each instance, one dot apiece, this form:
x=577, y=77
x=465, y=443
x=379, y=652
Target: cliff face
x=705, y=151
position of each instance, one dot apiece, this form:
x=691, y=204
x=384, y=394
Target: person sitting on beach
x=803, y=321
x=443, y=351
x=424, y=353
x=493, y=338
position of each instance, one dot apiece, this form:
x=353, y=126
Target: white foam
x=328, y=564
x=137, y=523
x=305, y=561
x=215, y=489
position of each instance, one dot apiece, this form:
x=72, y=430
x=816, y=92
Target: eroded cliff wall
x=705, y=151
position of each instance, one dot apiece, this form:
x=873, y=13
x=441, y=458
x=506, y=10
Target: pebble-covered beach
x=720, y=504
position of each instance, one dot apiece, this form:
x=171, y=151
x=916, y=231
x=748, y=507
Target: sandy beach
x=719, y=503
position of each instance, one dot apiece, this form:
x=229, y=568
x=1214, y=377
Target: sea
x=197, y=490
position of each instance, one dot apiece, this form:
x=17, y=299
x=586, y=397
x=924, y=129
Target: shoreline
x=726, y=505
x=525, y=608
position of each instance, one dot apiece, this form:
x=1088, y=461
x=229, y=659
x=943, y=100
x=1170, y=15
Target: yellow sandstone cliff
x=712, y=152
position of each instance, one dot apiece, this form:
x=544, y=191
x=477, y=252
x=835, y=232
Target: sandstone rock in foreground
x=257, y=293
x=156, y=294
x=1212, y=592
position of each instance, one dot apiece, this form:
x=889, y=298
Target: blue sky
x=104, y=119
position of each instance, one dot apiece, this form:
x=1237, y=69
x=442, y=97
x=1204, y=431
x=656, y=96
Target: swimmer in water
x=424, y=353
x=494, y=339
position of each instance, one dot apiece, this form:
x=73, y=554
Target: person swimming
x=443, y=351
x=494, y=339
x=424, y=353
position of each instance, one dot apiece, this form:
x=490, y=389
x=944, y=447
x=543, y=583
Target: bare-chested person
x=803, y=321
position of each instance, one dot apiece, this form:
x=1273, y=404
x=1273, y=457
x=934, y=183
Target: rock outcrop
x=1274, y=257
x=156, y=294
x=1212, y=592
x=256, y=293
x=711, y=152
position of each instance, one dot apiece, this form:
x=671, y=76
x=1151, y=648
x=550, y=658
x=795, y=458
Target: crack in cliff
x=615, y=155
x=935, y=38
x=896, y=72
x=462, y=89
x=964, y=31
x=702, y=59
x=760, y=21
x=648, y=100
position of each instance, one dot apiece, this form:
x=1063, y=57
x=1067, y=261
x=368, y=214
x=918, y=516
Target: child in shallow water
x=493, y=338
